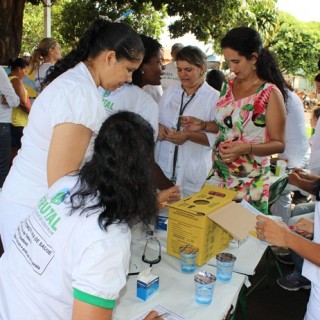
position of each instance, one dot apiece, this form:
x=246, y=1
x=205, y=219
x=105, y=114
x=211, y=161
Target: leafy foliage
x=33, y=26
x=77, y=15
x=297, y=46
x=209, y=20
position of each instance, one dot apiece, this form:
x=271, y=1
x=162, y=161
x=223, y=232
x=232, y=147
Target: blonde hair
x=41, y=52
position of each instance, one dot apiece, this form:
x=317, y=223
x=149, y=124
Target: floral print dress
x=243, y=120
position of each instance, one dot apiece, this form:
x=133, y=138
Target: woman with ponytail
x=66, y=117
x=249, y=118
x=44, y=56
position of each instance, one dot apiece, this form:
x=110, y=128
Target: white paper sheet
x=168, y=314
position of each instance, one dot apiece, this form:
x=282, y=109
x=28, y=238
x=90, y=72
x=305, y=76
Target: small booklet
x=167, y=314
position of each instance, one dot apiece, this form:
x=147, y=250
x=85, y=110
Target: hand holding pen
x=153, y=315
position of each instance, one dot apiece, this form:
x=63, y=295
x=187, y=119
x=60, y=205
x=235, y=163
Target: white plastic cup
x=225, y=263
x=188, y=258
x=204, y=287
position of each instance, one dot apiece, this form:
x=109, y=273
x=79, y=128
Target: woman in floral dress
x=249, y=118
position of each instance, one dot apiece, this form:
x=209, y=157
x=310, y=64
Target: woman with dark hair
x=147, y=76
x=249, y=118
x=67, y=115
x=185, y=156
x=20, y=114
x=73, y=250
x=132, y=97
x=215, y=79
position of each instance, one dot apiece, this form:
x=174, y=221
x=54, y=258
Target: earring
x=254, y=67
x=142, y=72
x=201, y=74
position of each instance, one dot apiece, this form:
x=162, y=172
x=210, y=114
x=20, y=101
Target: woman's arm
x=304, y=181
x=180, y=137
x=195, y=124
x=275, y=123
x=279, y=234
x=68, y=146
x=161, y=181
x=6, y=89
x=85, y=311
x=20, y=91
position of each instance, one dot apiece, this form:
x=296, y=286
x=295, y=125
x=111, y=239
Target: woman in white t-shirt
x=73, y=250
x=44, y=56
x=66, y=116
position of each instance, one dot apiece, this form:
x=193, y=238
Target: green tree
x=209, y=19
x=33, y=25
x=297, y=46
x=206, y=19
x=144, y=19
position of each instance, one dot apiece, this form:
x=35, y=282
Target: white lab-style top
x=194, y=160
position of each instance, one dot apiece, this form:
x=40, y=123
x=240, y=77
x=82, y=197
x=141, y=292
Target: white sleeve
x=7, y=90
x=103, y=266
x=83, y=106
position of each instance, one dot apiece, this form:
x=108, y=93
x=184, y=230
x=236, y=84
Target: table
x=248, y=254
x=176, y=292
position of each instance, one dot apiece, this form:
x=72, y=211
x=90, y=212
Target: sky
x=303, y=10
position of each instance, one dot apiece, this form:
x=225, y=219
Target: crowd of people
x=113, y=133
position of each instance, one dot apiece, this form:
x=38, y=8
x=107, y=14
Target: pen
x=160, y=315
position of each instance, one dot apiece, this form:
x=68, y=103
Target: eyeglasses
x=151, y=253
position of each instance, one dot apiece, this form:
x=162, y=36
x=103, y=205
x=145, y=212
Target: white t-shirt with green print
x=56, y=257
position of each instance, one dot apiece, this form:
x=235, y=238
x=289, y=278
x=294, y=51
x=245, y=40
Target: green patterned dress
x=243, y=120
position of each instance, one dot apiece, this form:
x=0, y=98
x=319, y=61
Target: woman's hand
x=305, y=227
x=3, y=99
x=177, y=137
x=272, y=231
x=170, y=194
x=163, y=131
x=153, y=315
x=191, y=123
x=229, y=151
x=294, y=177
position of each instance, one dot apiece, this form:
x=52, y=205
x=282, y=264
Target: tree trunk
x=11, y=18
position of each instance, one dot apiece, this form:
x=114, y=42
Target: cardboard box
x=239, y=219
x=188, y=223
x=147, y=284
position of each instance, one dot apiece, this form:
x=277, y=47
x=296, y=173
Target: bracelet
x=250, y=152
x=204, y=125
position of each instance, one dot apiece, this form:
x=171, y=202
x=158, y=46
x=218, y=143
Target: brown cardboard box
x=188, y=223
x=236, y=219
